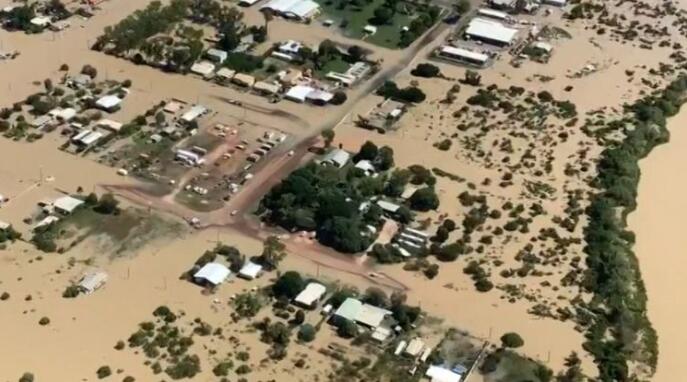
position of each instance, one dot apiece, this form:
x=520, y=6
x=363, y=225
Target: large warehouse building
x=490, y=31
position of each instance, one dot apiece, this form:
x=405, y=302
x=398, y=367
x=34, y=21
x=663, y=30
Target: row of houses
x=213, y=274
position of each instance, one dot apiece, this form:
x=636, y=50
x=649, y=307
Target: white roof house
x=298, y=9
x=250, y=270
x=217, y=55
x=213, y=273
x=267, y=87
x=299, y=93
x=312, y=293
x=47, y=221
x=108, y=102
x=364, y=314
x=194, y=113
x=463, y=54
x=226, y=73
x=93, y=281
x=336, y=157
x=67, y=204
x=490, y=31
x=442, y=374
x=319, y=97
x=64, y=115
x=203, y=68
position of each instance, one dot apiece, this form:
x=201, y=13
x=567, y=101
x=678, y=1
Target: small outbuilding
x=442, y=374
x=243, y=79
x=311, y=295
x=109, y=103
x=250, y=271
x=217, y=55
x=92, y=281
x=205, y=69
x=211, y=274
x=336, y=157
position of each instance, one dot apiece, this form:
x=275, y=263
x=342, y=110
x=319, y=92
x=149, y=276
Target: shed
x=319, y=97
x=211, y=273
x=4, y=226
x=173, y=107
x=40, y=21
x=243, y=79
x=247, y=3
x=381, y=334
x=460, y=54
x=388, y=207
x=203, y=68
x=92, y=281
x=311, y=295
x=217, y=55
x=41, y=121
x=250, y=270
x=79, y=81
x=267, y=87
x=63, y=115
x=415, y=347
x=109, y=103
x=557, y=3
x=408, y=192
x=109, y=124
x=46, y=221
x=225, y=74
x=67, y=204
x=370, y=29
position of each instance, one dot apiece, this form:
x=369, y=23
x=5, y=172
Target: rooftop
x=214, y=273
x=312, y=293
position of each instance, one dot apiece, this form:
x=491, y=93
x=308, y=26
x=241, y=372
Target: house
x=250, y=271
x=462, y=55
x=366, y=166
x=63, y=115
x=195, y=112
x=287, y=51
x=381, y=334
x=189, y=157
x=86, y=138
x=217, y=55
x=109, y=103
x=205, y=69
x=442, y=374
x=364, y=314
x=490, y=31
x=543, y=47
x=243, y=79
x=92, y=281
x=336, y=157
x=311, y=295
x=301, y=10
x=211, y=274
x=384, y=117
x=66, y=205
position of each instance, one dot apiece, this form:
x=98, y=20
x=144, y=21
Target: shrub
x=512, y=340
x=426, y=71
x=103, y=372
x=26, y=377
x=44, y=321
x=339, y=98
x=306, y=333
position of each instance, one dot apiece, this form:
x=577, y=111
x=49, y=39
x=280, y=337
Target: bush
x=426, y=71
x=512, y=340
x=71, y=291
x=103, y=372
x=306, y=333
x=244, y=63
x=347, y=329
x=43, y=321
x=424, y=199
x=290, y=284
x=26, y=377
x=339, y=98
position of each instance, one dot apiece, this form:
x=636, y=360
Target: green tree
x=368, y=151
x=107, y=205
x=273, y=252
x=512, y=340
x=424, y=199
x=290, y=284
x=328, y=136
x=462, y=6
x=347, y=329
x=306, y=333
